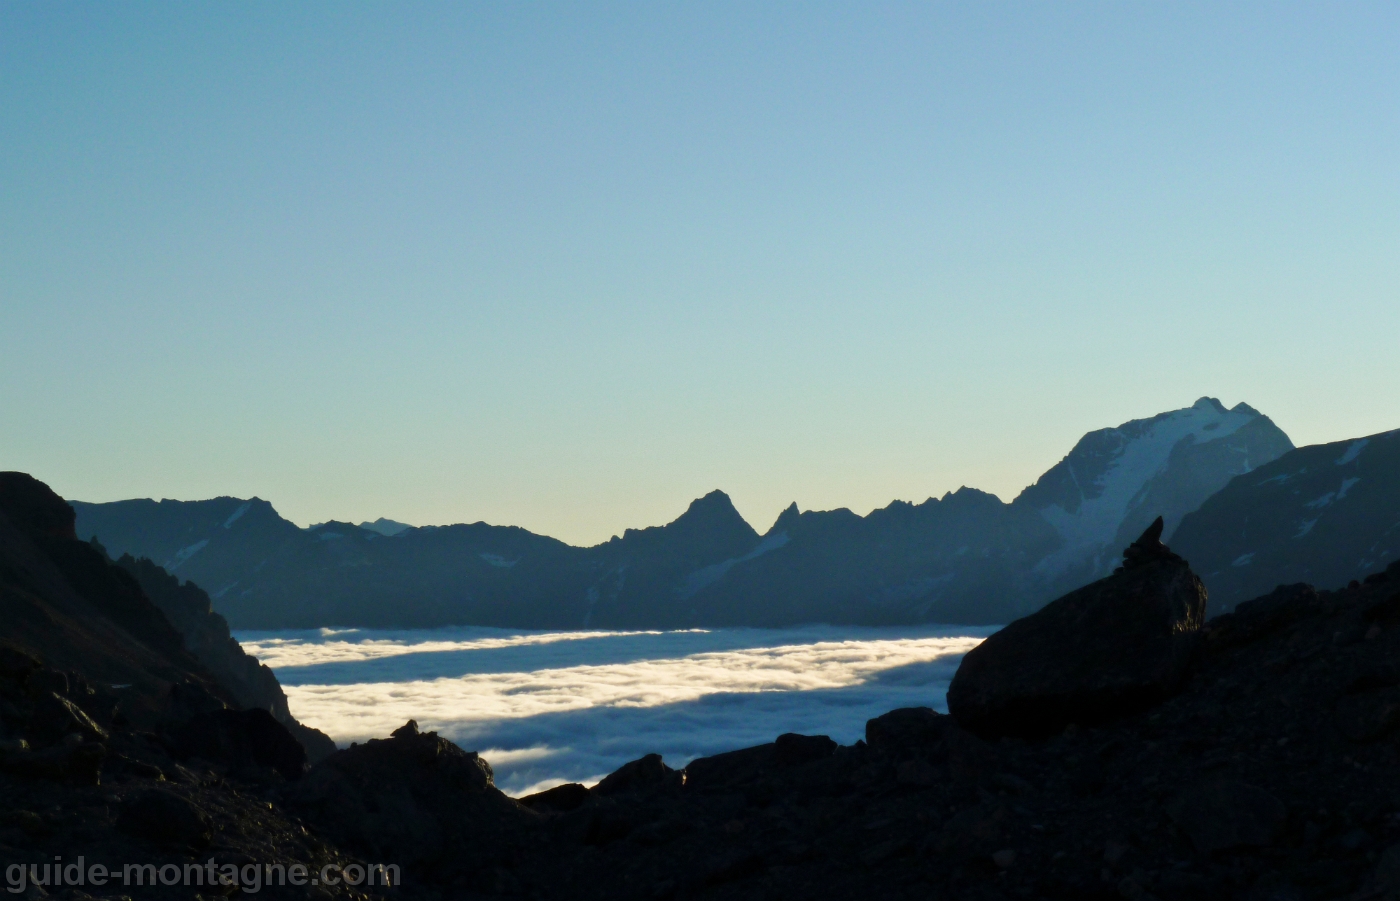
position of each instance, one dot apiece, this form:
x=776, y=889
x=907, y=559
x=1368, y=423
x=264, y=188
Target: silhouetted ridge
x=1325, y=515
x=965, y=557
x=34, y=508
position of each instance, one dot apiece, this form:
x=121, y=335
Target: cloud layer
x=545, y=708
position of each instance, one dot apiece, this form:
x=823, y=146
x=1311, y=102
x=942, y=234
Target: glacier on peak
x=1164, y=465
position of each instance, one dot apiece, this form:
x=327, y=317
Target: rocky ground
x=73, y=787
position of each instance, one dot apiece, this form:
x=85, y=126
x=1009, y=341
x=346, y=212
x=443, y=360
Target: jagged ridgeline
x=966, y=557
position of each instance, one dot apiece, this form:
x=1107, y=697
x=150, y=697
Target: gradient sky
x=569, y=266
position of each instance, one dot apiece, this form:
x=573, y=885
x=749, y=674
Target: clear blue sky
x=569, y=266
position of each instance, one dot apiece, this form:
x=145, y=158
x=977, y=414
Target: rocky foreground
x=1112, y=745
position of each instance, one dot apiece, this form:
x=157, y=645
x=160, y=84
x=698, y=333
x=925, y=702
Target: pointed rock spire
x=1148, y=547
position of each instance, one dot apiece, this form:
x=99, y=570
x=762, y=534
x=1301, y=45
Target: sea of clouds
x=550, y=707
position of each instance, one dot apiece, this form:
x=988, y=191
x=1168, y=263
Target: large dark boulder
x=1110, y=649
x=645, y=774
x=908, y=730
x=415, y=799
x=559, y=799
x=55, y=716
x=792, y=749
x=722, y=771
x=72, y=760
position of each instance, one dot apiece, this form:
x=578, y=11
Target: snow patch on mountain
x=497, y=560
x=242, y=508
x=185, y=553
x=715, y=571
x=1353, y=451
x=1331, y=496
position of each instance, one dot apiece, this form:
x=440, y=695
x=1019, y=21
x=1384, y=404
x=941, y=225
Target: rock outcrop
x=1107, y=650
x=241, y=739
x=414, y=798
x=206, y=635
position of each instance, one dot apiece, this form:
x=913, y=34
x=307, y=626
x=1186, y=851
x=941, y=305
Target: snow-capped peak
x=1090, y=494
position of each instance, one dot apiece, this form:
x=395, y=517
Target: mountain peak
x=386, y=527
x=715, y=500
x=786, y=520
x=709, y=518
x=1116, y=480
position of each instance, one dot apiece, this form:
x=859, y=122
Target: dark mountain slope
x=639, y=572
x=1325, y=514
x=206, y=635
x=217, y=542
x=67, y=603
x=273, y=574
x=44, y=614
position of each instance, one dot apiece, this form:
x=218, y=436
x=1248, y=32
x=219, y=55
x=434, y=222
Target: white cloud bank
x=545, y=708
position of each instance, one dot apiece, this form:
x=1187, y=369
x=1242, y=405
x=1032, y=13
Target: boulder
x=55, y=716
x=722, y=771
x=1109, y=649
x=72, y=760
x=16, y=663
x=645, y=774
x=908, y=730
x=559, y=799
x=191, y=698
x=414, y=798
x=792, y=749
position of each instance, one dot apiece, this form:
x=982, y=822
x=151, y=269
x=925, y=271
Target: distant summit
x=386, y=527
x=1115, y=482
x=965, y=557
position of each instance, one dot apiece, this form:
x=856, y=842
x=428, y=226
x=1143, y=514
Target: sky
x=571, y=266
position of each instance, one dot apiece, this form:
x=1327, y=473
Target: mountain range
x=967, y=557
